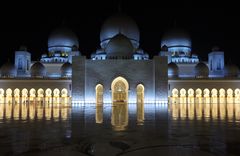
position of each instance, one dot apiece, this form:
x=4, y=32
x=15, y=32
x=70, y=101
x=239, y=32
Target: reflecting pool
x=120, y=129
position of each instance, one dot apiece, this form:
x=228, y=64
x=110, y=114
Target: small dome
x=66, y=70
x=116, y=24
x=119, y=47
x=62, y=39
x=177, y=40
x=38, y=70
x=201, y=70
x=231, y=70
x=173, y=70
x=8, y=70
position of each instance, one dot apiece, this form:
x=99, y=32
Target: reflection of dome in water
x=8, y=70
x=201, y=70
x=62, y=39
x=38, y=70
x=66, y=70
x=231, y=71
x=116, y=24
x=119, y=46
x=172, y=70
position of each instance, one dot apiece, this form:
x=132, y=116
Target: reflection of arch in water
x=99, y=94
x=99, y=114
x=119, y=116
x=119, y=89
x=140, y=103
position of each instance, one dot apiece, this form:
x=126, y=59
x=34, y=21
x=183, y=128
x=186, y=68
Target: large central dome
x=62, y=39
x=116, y=24
x=177, y=40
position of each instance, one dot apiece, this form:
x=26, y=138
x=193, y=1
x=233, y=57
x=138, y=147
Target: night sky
x=30, y=24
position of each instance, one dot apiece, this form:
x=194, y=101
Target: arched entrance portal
x=119, y=117
x=119, y=89
x=140, y=104
x=99, y=94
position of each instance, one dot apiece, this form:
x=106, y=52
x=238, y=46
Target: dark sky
x=30, y=24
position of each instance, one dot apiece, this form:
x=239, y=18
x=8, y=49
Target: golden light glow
x=205, y=112
x=119, y=89
x=99, y=94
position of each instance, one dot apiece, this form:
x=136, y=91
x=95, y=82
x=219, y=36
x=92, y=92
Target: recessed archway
x=64, y=95
x=99, y=94
x=237, y=95
x=119, y=89
x=56, y=95
x=32, y=93
x=8, y=95
x=174, y=92
x=140, y=93
x=198, y=92
x=1, y=95
x=16, y=93
x=190, y=95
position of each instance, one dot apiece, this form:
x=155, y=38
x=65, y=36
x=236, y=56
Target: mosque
x=120, y=71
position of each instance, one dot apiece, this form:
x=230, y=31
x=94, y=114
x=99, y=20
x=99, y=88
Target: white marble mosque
x=120, y=71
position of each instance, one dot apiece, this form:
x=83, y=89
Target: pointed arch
x=119, y=89
x=99, y=94
x=175, y=92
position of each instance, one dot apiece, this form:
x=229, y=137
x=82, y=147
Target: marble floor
x=121, y=129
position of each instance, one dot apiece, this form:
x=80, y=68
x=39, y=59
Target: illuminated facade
x=119, y=71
